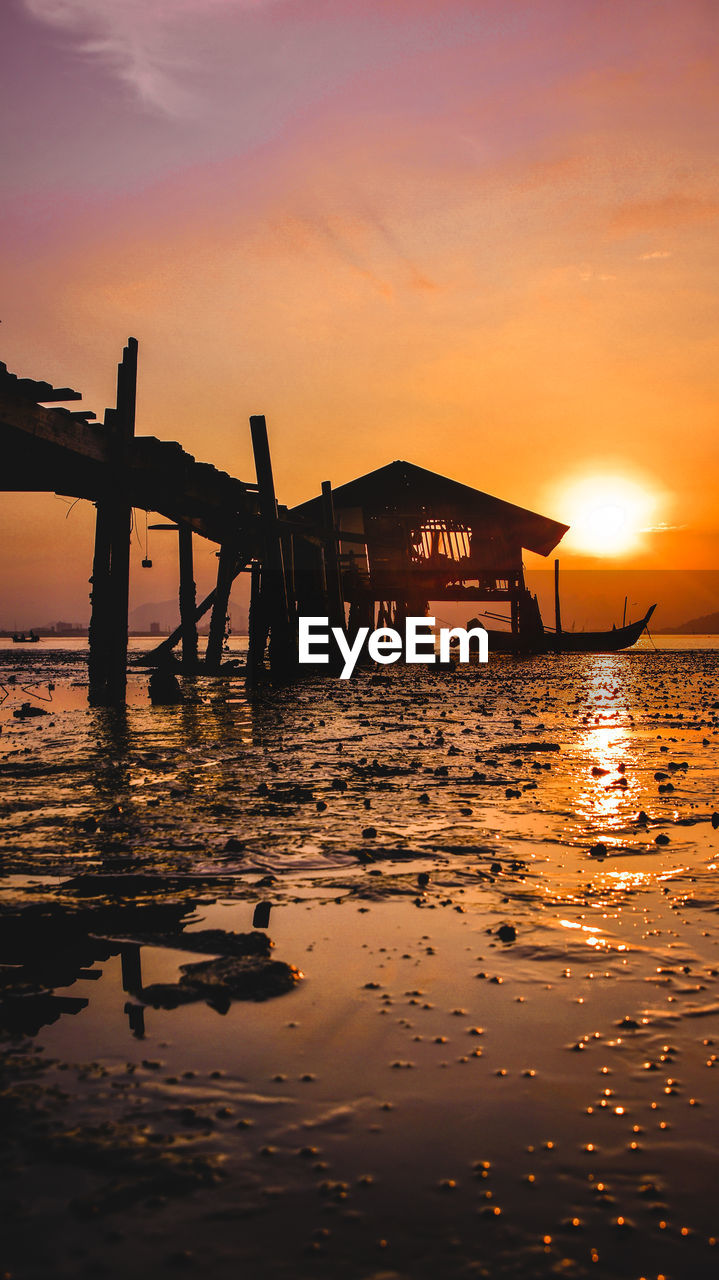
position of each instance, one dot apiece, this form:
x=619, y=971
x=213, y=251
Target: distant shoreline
x=81, y=633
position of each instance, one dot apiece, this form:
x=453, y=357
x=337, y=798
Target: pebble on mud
x=506, y=933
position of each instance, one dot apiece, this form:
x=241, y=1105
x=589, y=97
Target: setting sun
x=606, y=514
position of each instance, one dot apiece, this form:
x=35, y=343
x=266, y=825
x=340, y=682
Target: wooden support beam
x=188, y=600
x=557, y=610
x=257, y=629
x=111, y=567
x=276, y=603
x=220, y=607
x=518, y=609
x=333, y=577
x=287, y=542
x=163, y=650
x=124, y=426
x=98, y=633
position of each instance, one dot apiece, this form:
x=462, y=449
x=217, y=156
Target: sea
x=475, y=1028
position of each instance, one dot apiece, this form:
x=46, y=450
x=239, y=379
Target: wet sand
x=482, y=1041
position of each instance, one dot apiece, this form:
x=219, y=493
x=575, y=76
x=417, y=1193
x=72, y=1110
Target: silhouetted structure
x=53, y=449
x=408, y=536
x=384, y=544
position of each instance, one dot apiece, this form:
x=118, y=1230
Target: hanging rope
x=146, y=563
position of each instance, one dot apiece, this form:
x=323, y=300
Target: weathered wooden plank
x=83, y=439
x=43, y=443
x=41, y=391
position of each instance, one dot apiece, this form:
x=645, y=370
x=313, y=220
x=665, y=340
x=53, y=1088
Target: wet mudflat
x=413, y=975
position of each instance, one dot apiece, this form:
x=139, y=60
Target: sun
x=607, y=514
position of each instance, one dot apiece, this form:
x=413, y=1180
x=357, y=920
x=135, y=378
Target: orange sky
x=478, y=236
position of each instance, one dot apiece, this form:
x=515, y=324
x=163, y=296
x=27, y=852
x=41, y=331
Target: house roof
x=404, y=489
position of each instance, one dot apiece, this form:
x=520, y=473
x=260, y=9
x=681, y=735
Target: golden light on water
x=626, y=881
x=599, y=799
x=607, y=514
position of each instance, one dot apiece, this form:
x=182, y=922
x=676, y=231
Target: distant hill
x=167, y=614
x=706, y=626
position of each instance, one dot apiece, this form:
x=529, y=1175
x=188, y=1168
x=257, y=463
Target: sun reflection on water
x=605, y=781
x=628, y=881
x=591, y=936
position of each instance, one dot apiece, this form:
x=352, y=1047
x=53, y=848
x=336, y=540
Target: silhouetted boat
x=598, y=641
x=569, y=641
x=21, y=638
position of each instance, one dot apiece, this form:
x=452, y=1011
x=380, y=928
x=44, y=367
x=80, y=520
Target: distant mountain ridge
x=708, y=625
x=167, y=614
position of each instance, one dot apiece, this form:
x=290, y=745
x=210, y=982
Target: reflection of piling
x=131, y=965
x=136, y=1018
x=131, y=968
x=111, y=562
x=261, y=916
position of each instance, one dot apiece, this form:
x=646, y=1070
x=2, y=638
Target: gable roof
x=402, y=488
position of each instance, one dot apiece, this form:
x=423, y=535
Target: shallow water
x=345, y=1126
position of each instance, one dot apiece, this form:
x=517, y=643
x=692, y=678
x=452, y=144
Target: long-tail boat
x=544, y=641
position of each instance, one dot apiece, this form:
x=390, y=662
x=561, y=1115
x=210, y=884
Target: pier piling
x=188, y=605
x=276, y=613
x=218, y=620
x=111, y=562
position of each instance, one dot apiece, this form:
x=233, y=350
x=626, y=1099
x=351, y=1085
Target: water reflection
x=604, y=780
x=592, y=936
x=374, y=1058
x=625, y=882
x=446, y=767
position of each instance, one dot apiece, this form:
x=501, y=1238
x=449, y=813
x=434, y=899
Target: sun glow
x=607, y=514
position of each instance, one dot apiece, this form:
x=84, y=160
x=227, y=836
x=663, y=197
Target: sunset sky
x=479, y=236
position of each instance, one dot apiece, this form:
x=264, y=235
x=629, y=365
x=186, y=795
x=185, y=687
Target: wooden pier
x=51, y=448
x=369, y=552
